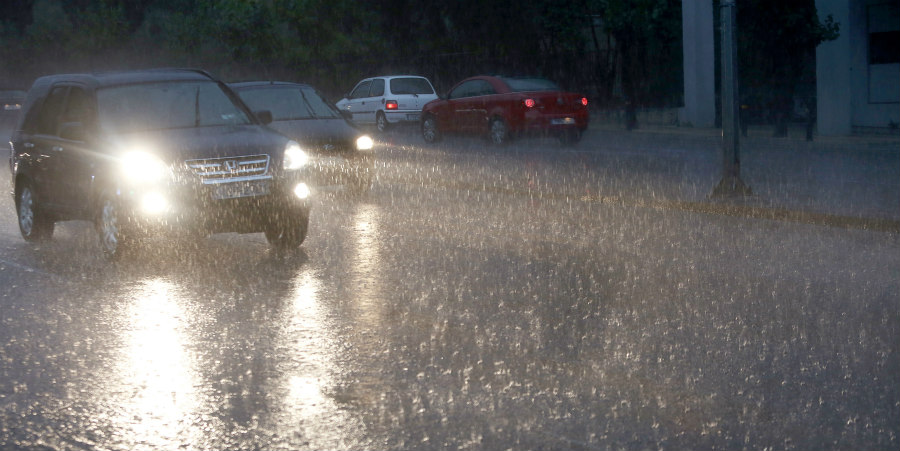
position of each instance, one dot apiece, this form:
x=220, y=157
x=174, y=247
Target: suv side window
x=362, y=90
x=48, y=117
x=78, y=108
x=377, y=89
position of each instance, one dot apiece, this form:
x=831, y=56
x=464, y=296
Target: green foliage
x=610, y=49
x=776, y=50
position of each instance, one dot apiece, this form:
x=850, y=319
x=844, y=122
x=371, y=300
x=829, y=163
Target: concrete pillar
x=834, y=70
x=699, y=64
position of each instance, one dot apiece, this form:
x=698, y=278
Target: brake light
x=529, y=103
x=584, y=101
x=391, y=105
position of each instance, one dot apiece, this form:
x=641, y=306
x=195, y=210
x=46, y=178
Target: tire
x=290, y=233
x=34, y=224
x=570, y=137
x=498, y=132
x=381, y=122
x=110, y=225
x=430, y=131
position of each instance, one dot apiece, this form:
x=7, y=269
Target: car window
x=411, y=85
x=288, y=102
x=530, y=84
x=362, y=90
x=78, y=107
x=48, y=118
x=483, y=88
x=466, y=89
x=377, y=89
x=166, y=105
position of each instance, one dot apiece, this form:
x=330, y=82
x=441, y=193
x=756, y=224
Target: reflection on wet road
x=431, y=316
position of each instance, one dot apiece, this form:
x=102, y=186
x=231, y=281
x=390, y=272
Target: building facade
x=858, y=74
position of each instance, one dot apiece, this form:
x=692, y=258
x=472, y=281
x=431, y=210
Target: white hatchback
x=384, y=101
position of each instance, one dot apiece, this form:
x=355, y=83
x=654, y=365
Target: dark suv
x=153, y=151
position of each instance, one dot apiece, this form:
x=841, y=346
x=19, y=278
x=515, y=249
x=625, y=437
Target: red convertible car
x=505, y=107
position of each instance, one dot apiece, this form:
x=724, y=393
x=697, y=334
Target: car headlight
x=294, y=156
x=364, y=142
x=143, y=167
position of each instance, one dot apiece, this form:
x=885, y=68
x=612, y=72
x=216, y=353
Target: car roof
x=127, y=77
x=255, y=84
x=388, y=77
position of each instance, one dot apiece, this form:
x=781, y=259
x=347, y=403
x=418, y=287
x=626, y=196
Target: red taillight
x=529, y=103
x=584, y=101
x=390, y=105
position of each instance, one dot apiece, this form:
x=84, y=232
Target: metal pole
x=731, y=183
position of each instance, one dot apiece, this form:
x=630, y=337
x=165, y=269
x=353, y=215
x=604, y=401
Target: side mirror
x=264, y=116
x=72, y=131
x=347, y=115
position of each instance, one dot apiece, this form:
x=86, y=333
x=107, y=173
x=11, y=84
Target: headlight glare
x=139, y=166
x=294, y=156
x=364, y=142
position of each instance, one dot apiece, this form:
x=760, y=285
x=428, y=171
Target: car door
x=375, y=102
x=366, y=99
x=75, y=155
x=67, y=161
x=461, y=106
x=356, y=100
x=482, y=90
x=42, y=145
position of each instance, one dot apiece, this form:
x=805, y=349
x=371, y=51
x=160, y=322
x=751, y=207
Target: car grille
x=230, y=169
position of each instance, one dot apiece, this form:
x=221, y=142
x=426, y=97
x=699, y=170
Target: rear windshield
x=155, y=106
x=289, y=103
x=530, y=84
x=411, y=86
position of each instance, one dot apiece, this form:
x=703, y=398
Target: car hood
x=320, y=134
x=175, y=145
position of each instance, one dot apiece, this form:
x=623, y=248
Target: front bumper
x=243, y=207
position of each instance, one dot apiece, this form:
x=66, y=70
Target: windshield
x=155, y=106
x=412, y=85
x=530, y=84
x=289, y=103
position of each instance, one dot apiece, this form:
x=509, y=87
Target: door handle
x=57, y=148
x=28, y=145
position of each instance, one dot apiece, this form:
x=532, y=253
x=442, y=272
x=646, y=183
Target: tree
x=646, y=38
x=776, y=49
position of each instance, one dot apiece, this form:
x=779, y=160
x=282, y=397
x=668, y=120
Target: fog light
x=301, y=191
x=154, y=203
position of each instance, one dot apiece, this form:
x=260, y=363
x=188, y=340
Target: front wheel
x=33, y=223
x=430, y=132
x=499, y=132
x=289, y=233
x=110, y=223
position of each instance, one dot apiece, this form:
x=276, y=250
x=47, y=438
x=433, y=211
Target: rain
x=531, y=295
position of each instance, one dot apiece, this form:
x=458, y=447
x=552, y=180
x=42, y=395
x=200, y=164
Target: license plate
x=412, y=117
x=563, y=121
x=240, y=189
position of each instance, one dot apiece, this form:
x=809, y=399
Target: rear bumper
x=554, y=123
x=403, y=116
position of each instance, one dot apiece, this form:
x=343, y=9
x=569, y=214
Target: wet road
x=447, y=310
